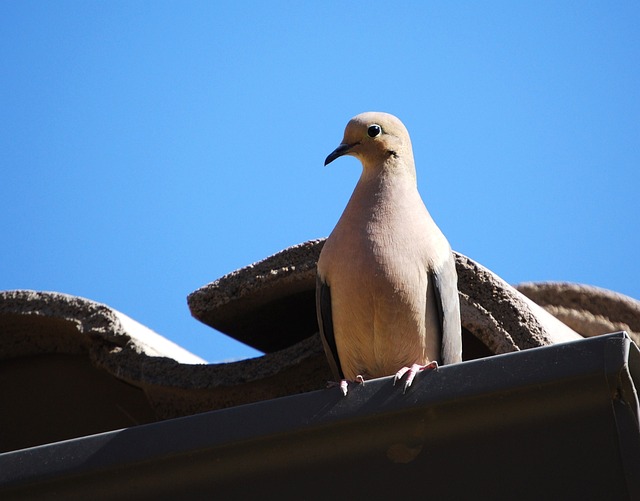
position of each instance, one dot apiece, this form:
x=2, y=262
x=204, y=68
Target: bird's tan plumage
x=387, y=287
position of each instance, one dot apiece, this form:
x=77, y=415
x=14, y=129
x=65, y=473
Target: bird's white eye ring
x=374, y=130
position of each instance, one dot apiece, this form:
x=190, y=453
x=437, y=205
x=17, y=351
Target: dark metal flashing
x=559, y=422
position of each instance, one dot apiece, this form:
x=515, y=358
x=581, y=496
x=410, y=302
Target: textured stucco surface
x=589, y=310
x=270, y=304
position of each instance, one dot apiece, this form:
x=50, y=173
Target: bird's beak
x=343, y=149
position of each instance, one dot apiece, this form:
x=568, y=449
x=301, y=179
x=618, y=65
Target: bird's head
x=375, y=138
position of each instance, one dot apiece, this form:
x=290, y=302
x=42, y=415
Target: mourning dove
x=386, y=295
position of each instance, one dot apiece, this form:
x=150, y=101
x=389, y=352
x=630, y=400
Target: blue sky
x=148, y=148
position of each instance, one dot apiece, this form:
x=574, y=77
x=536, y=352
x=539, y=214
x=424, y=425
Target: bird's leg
x=411, y=373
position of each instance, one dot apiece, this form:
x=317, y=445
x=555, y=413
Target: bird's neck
x=379, y=191
x=393, y=171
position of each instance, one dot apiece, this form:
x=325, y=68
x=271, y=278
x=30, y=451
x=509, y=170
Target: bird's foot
x=411, y=373
x=344, y=384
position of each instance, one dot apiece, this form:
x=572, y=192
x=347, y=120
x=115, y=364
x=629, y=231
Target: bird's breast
x=377, y=262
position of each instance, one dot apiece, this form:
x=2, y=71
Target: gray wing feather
x=446, y=286
x=325, y=324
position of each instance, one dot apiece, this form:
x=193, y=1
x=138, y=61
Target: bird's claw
x=411, y=373
x=344, y=384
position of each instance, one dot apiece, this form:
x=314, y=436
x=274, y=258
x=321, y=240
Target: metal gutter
x=561, y=422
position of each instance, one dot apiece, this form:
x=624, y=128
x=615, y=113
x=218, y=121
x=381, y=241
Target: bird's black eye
x=374, y=130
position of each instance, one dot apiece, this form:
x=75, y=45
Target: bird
x=386, y=288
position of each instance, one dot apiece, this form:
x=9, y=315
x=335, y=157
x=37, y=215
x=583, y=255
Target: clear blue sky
x=148, y=148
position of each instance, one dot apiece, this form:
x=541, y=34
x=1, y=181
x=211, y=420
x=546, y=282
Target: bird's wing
x=325, y=323
x=445, y=279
